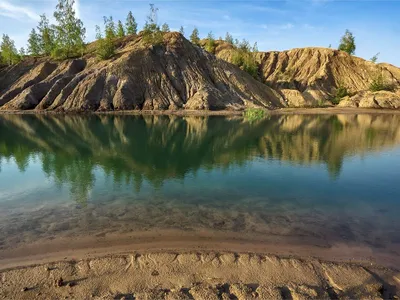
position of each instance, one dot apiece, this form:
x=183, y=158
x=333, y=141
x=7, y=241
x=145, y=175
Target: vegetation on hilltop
x=347, y=43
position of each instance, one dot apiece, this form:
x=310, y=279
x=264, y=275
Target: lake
x=320, y=180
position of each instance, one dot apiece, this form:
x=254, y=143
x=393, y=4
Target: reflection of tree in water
x=132, y=149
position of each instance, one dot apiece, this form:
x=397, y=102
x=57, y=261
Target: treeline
x=64, y=39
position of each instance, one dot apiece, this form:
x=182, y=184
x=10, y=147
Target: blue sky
x=275, y=25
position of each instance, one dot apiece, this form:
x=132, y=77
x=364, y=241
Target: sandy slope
x=198, y=275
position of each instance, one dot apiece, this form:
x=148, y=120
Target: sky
x=274, y=24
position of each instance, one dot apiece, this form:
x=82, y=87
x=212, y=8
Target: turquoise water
x=332, y=178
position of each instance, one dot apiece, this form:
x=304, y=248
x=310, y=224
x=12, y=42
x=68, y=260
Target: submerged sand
x=198, y=275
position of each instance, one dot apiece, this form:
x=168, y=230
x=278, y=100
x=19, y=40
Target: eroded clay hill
x=180, y=75
x=311, y=76
x=174, y=75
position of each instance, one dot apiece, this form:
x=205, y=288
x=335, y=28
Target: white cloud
x=17, y=12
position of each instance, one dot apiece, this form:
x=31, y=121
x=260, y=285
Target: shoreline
x=282, y=111
x=83, y=247
x=199, y=274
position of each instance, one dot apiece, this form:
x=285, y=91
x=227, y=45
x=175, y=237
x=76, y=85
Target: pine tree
x=152, y=35
x=255, y=47
x=109, y=27
x=98, y=32
x=46, y=35
x=194, y=37
x=8, y=51
x=34, y=43
x=347, y=43
x=210, y=45
x=244, y=45
x=229, y=38
x=181, y=30
x=165, y=27
x=69, y=31
x=105, y=47
x=120, y=29
x=130, y=25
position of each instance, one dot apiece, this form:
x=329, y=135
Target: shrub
x=253, y=114
x=152, y=36
x=341, y=92
x=105, y=48
x=380, y=84
x=59, y=53
x=210, y=44
x=245, y=61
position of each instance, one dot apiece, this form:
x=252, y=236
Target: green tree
x=130, y=25
x=109, y=26
x=69, y=31
x=244, y=45
x=194, y=37
x=210, y=44
x=255, y=47
x=181, y=30
x=8, y=51
x=374, y=58
x=229, y=38
x=120, y=29
x=245, y=60
x=46, y=35
x=105, y=47
x=165, y=27
x=34, y=43
x=347, y=43
x=152, y=34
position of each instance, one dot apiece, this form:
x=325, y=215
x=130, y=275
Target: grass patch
x=253, y=114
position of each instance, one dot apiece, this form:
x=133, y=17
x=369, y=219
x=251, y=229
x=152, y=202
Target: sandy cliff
x=173, y=75
x=180, y=75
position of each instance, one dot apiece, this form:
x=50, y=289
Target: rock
x=24, y=289
x=380, y=99
x=155, y=273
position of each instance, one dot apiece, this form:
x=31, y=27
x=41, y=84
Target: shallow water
x=322, y=179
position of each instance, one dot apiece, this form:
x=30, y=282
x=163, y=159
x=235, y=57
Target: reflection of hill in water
x=133, y=148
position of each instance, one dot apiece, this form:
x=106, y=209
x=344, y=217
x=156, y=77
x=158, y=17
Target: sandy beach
x=198, y=275
x=185, y=266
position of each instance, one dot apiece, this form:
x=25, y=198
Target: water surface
x=322, y=179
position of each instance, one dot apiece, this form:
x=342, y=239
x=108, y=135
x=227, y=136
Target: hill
x=173, y=75
x=313, y=76
x=180, y=75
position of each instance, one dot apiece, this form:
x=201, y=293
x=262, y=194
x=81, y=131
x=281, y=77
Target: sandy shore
x=314, y=111
x=198, y=275
x=176, y=265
